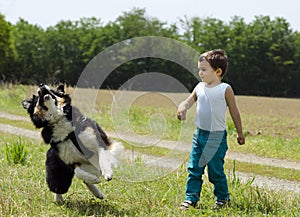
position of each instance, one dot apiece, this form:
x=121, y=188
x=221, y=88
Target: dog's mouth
x=45, y=94
x=44, y=90
x=47, y=97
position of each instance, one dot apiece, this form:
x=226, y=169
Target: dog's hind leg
x=58, y=198
x=96, y=191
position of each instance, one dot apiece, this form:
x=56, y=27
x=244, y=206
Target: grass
x=11, y=97
x=264, y=170
x=24, y=191
x=16, y=152
x=268, y=146
x=276, y=120
x=18, y=123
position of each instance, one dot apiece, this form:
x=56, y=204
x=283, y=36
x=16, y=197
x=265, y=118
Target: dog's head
x=48, y=106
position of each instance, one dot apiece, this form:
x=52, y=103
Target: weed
x=16, y=152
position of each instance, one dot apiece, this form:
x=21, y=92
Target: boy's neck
x=214, y=83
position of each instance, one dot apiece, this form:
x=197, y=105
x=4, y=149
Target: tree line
x=264, y=55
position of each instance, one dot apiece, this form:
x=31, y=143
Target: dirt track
x=261, y=181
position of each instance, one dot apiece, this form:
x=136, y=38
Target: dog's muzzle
x=45, y=94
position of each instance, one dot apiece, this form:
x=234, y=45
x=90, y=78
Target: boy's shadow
x=94, y=207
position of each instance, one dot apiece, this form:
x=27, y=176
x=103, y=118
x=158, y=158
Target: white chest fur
x=69, y=153
x=61, y=130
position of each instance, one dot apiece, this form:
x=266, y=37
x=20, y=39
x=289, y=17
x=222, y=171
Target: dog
x=78, y=145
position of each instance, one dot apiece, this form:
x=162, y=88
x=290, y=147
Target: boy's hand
x=241, y=139
x=181, y=115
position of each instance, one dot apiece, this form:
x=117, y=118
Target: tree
x=30, y=64
x=264, y=55
x=129, y=26
x=204, y=34
x=269, y=54
x=64, y=50
x=7, y=50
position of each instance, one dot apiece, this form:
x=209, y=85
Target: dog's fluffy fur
x=78, y=144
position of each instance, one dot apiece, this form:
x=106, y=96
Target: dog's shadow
x=95, y=207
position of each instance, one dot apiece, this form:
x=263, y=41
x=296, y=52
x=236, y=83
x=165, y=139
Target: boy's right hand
x=181, y=115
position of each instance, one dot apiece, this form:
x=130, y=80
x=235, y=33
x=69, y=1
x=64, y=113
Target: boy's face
x=207, y=73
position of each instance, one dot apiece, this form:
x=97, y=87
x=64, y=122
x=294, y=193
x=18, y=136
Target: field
x=272, y=126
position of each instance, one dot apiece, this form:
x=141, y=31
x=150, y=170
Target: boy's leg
x=194, y=180
x=216, y=173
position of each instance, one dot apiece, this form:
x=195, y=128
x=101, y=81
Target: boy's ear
x=61, y=89
x=219, y=72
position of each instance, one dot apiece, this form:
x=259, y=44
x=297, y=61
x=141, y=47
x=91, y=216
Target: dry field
x=260, y=115
x=271, y=116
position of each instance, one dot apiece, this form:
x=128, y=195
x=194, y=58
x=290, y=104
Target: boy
x=210, y=138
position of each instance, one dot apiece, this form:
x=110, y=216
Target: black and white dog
x=78, y=144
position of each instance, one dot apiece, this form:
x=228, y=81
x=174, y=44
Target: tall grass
x=16, y=152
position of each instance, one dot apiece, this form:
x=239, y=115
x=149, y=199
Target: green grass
x=16, y=152
x=24, y=193
x=290, y=174
x=264, y=170
x=11, y=97
x=268, y=146
x=23, y=190
x=18, y=123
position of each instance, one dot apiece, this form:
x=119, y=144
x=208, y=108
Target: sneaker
x=186, y=204
x=220, y=204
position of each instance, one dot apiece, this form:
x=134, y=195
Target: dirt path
x=261, y=181
x=249, y=158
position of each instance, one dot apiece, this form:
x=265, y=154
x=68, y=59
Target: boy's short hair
x=216, y=59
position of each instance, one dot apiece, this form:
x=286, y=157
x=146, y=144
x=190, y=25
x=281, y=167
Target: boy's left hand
x=241, y=139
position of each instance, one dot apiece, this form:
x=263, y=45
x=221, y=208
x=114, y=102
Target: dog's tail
x=116, y=149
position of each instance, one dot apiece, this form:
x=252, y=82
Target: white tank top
x=211, y=107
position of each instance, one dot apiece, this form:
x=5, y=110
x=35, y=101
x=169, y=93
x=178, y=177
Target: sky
x=47, y=13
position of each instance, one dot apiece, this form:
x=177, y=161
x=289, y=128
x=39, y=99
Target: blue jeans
x=208, y=148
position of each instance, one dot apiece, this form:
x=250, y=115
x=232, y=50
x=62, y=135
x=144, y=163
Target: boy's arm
x=235, y=114
x=185, y=105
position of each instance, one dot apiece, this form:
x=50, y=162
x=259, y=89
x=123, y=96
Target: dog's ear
x=26, y=103
x=61, y=89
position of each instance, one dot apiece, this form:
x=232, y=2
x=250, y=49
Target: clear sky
x=49, y=12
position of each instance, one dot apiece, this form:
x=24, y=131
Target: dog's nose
x=41, y=85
